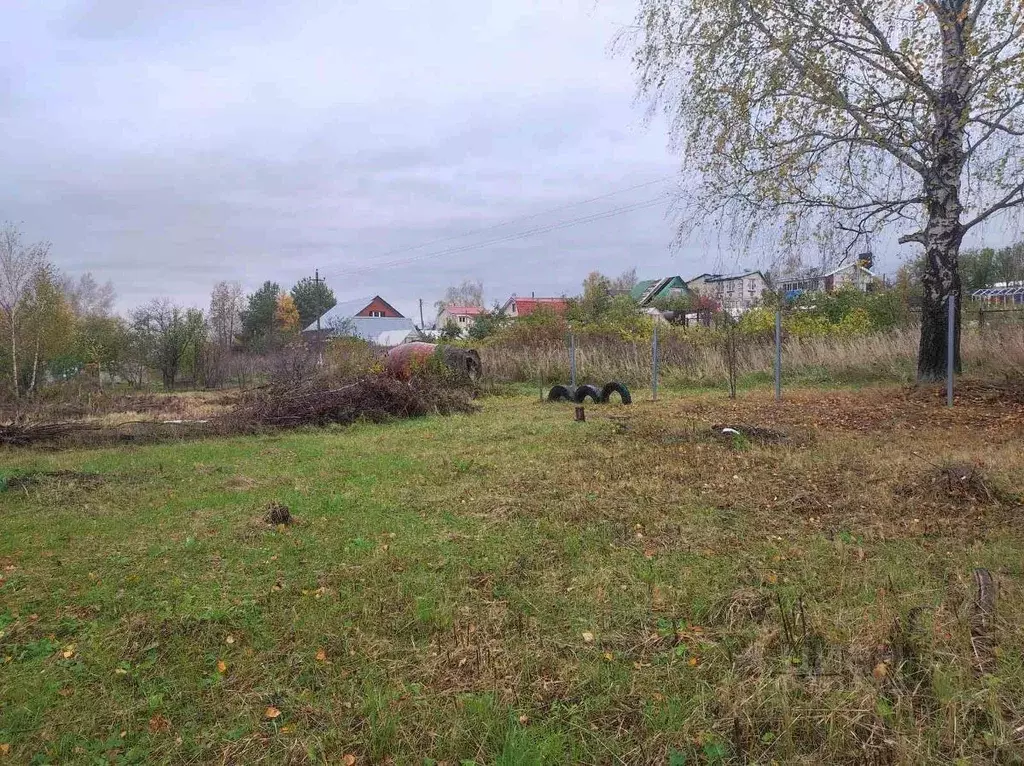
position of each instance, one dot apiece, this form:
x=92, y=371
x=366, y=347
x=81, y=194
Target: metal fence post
x=654, y=363
x=572, y=359
x=950, y=347
x=778, y=355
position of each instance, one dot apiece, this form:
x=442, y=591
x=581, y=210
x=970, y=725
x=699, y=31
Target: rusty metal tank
x=403, y=360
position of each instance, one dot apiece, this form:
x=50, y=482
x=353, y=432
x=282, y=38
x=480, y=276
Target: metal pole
x=654, y=363
x=319, y=338
x=778, y=355
x=572, y=359
x=950, y=345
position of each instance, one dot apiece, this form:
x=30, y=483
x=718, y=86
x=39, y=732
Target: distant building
x=1001, y=293
x=372, y=319
x=735, y=293
x=650, y=291
x=462, y=317
x=855, y=275
x=520, y=307
x=379, y=308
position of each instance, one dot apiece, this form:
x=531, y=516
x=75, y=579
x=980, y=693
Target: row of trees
x=985, y=267
x=54, y=327
x=605, y=304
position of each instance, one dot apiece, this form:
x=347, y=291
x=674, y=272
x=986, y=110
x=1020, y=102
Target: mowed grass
x=512, y=587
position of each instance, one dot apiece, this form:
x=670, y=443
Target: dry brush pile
x=314, y=401
x=374, y=398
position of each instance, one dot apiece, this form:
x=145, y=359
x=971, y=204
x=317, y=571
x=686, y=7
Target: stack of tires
x=580, y=394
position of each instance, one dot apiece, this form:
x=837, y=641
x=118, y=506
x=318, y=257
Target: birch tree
x=226, y=304
x=49, y=325
x=19, y=264
x=848, y=115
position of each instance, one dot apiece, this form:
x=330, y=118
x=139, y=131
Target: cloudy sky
x=167, y=146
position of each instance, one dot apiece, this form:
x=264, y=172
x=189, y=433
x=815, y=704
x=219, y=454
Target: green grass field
x=512, y=587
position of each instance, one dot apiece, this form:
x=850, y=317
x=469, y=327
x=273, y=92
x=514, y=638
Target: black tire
x=587, y=390
x=561, y=393
x=615, y=388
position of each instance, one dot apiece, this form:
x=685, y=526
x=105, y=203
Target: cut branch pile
x=24, y=434
x=375, y=398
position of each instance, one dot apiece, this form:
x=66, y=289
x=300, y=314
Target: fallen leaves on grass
x=588, y=637
x=348, y=759
x=222, y=666
x=271, y=713
x=321, y=655
x=158, y=724
x=68, y=652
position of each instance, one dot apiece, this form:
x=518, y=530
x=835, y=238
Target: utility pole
x=421, y=313
x=319, y=337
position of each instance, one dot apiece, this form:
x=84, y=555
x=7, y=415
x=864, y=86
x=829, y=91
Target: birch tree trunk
x=14, y=360
x=35, y=368
x=943, y=230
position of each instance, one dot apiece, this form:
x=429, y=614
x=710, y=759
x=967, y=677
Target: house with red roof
x=520, y=307
x=461, y=316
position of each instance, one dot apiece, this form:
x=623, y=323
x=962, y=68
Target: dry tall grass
x=888, y=356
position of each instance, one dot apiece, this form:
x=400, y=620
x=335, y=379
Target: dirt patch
x=240, y=483
x=38, y=478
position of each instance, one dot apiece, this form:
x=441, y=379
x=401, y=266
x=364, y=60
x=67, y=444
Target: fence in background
x=733, y=357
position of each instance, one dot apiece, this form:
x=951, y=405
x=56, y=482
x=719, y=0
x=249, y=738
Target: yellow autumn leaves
x=286, y=314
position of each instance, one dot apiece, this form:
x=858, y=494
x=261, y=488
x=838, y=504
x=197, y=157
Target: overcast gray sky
x=167, y=146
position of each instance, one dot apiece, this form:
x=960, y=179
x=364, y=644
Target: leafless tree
x=87, y=297
x=625, y=282
x=226, y=304
x=469, y=293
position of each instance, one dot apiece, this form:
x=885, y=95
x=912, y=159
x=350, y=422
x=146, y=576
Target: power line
x=520, y=219
x=510, y=237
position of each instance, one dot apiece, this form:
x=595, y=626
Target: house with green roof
x=650, y=291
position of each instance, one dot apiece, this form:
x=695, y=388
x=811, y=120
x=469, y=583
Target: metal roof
x=729, y=277
x=367, y=328
x=393, y=337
